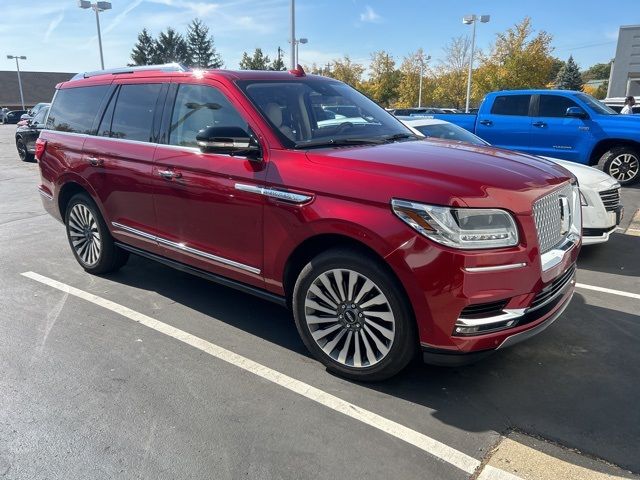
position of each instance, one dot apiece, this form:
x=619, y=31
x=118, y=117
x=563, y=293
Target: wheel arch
x=604, y=146
x=66, y=193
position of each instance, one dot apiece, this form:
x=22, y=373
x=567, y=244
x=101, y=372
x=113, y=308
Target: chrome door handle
x=168, y=174
x=486, y=122
x=539, y=124
x=95, y=161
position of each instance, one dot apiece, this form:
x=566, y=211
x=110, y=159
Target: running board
x=212, y=277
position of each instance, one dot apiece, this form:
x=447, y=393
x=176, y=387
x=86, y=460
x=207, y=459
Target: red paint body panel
x=350, y=188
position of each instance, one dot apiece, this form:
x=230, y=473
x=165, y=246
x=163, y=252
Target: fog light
x=467, y=330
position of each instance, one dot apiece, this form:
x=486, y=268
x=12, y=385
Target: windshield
x=314, y=113
x=449, y=131
x=596, y=105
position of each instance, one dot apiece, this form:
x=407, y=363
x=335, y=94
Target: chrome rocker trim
x=184, y=248
x=45, y=194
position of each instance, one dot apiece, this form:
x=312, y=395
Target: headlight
x=583, y=199
x=465, y=228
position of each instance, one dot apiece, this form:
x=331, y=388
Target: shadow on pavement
x=619, y=256
x=575, y=384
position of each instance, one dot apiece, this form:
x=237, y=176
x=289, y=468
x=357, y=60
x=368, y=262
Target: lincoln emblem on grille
x=565, y=215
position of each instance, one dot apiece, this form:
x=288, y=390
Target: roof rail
x=166, y=67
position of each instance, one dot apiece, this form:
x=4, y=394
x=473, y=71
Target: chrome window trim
x=283, y=195
x=185, y=248
x=45, y=194
x=495, y=268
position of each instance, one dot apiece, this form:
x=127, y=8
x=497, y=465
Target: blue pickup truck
x=558, y=123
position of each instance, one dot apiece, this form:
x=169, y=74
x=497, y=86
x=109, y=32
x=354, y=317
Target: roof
x=36, y=86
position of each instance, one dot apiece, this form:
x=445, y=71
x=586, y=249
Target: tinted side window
x=198, y=107
x=133, y=112
x=39, y=118
x=511, y=105
x=554, y=105
x=74, y=109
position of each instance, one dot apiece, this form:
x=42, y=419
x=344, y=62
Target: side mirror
x=25, y=116
x=576, y=112
x=227, y=140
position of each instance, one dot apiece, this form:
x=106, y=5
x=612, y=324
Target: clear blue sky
x=56, y=35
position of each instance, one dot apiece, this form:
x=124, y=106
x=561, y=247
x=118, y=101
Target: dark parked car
x=13, y=116
x=26, y=135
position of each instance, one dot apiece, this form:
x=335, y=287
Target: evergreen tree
x=171, y=47
x=258, y=61
x=278, y=63
x=202, y=52
x=569, y=77
x=143, y=51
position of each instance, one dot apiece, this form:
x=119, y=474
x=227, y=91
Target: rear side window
x=133, y=112
x=554, y=106
x=74, y=109
x=517, y=105
x=198, y=107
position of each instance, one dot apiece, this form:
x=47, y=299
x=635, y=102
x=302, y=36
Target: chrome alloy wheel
x=624, y=167
x=349, y=318
x=84, y=234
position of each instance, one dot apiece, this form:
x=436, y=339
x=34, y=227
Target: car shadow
x=575, y=383
x=619, y=256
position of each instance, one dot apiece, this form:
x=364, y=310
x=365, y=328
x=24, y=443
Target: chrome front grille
x=547, y=214
x=611, y=199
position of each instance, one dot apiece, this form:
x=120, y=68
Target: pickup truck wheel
x=622, y=163
x=89, y=238
x=23, y=153
x=353, y=316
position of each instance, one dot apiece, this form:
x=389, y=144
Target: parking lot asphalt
x=87, y=392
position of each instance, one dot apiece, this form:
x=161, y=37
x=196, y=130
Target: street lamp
x=472, y=20
x=298, y=42
x=97, y=7
x=292, y=53
x=422, y=60
x=18, y=57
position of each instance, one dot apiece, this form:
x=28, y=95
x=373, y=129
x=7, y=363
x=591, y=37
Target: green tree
x=569, y=77
x=555, y=68
x=259, y=61
x=450, y=88
x=144, y=50
x=599, y=71
x=347, y=71
x=384, y=79
x=171, y=47
x=519, y=59
x=278, y=63
x=409, y=85
x=200, y=47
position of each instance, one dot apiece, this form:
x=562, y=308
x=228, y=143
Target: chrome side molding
x=185, y=248
x=495, y=268
x=273, y=193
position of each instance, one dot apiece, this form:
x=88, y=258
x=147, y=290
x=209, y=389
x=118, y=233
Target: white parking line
x=429, y=445
x=608, y=290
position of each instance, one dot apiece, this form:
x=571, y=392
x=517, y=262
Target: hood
x=587, y=176
x=452, y=172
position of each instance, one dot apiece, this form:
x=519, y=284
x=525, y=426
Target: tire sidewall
x=608, y=157
x=404, y=344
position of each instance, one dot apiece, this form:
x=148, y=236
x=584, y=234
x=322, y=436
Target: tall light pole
x=292, y=53
x=18, y=57
x=422, y=60
x=96, y=7
x=298, y=42
x=472, y=20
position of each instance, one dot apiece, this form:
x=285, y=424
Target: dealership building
x=625, y=72
x=36, y=87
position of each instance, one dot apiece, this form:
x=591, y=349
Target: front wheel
x=23, y=153
x=353, y=316
x=623, y=164
x=89, y=238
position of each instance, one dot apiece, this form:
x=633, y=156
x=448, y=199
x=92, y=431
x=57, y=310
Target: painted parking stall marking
x=427, y=444
x=608, y=290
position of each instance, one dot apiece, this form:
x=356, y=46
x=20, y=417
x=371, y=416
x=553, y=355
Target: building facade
x=36, y=87
x=625, y=72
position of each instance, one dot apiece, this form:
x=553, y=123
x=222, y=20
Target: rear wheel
x=353, y=316
x=622, y=163
x=23, y=153
x=89, y=238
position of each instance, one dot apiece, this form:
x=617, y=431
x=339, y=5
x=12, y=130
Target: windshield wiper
x=399, y=136
x=337, y=142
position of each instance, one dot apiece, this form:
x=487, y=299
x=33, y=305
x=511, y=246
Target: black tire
x=100, y=254
x=24, y=155
x=401, y=348
x=622, y=163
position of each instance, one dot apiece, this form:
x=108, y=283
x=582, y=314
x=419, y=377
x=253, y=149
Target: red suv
x=300, y=190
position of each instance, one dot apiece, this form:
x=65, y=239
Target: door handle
x=95, y=161
x=539, y=124
x=486, y=122
x=169, y=174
